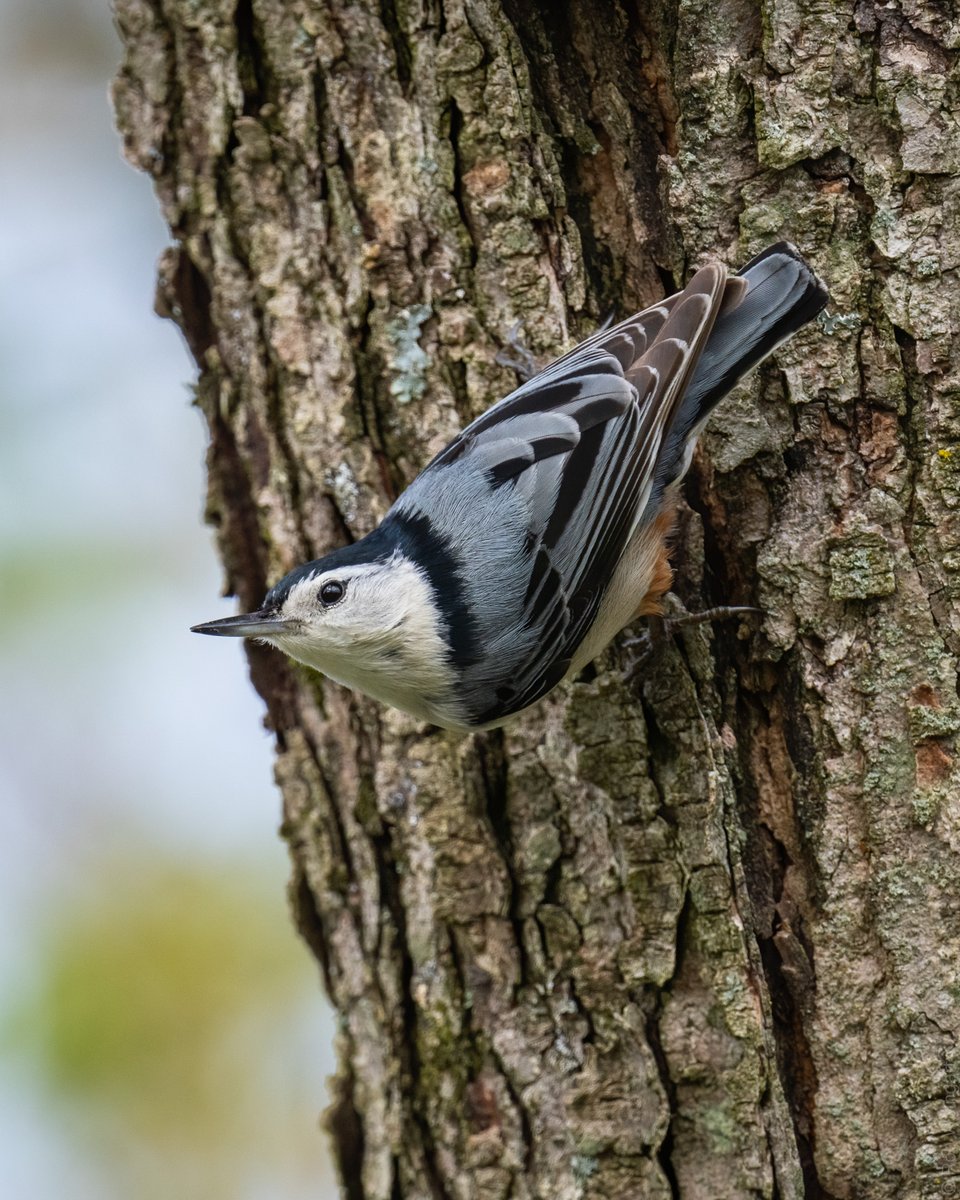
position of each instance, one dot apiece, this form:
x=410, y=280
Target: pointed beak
x=257, y=624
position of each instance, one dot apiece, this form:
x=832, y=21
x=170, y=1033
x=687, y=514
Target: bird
x=543, y=528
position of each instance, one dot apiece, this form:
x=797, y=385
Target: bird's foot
x=722, y=613
x=516, y=356
x=645, y=648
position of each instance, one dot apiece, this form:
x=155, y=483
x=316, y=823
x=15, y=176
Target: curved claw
x=516, y=356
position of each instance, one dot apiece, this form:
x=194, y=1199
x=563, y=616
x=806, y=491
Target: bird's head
x=367, y=621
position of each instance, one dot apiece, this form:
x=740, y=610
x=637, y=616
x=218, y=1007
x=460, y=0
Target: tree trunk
x=699, y=939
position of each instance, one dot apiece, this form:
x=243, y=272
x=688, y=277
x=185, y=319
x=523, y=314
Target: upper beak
x=256, y=624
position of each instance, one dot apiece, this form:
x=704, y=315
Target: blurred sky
x=135, y=776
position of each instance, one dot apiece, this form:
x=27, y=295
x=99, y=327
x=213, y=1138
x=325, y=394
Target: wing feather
x=578, y=446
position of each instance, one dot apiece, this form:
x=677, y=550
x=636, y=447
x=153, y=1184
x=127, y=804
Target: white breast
x=625, y=592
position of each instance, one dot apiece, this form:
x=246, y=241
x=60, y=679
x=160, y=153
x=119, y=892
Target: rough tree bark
x=703, y=942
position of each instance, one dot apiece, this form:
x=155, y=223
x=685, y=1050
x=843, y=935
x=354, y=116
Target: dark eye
x=331, y=592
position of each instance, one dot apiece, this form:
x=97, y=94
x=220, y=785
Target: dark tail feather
x=781, y=294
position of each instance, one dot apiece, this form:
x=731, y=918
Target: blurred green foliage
x=162, y=1014
x=162, y=1033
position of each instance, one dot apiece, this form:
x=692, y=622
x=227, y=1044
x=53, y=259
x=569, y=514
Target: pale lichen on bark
x=698, y=943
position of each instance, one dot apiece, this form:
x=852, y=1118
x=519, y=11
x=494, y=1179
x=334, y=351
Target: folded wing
x=578, y=447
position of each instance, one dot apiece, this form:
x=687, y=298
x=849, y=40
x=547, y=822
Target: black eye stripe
x=331, y=592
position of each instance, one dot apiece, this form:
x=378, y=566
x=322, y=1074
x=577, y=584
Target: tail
x=772, y=297
x=781, y=296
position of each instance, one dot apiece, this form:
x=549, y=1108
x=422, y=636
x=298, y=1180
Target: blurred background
x=162, y=1030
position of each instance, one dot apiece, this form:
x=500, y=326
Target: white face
x=372, y=627
x=335, y=610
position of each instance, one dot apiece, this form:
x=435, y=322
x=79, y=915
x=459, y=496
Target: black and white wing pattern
x=550, y=485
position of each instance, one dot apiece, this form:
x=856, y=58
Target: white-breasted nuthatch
x=541, y=530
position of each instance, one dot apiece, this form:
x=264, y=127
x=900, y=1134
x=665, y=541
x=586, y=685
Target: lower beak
x=257, y=624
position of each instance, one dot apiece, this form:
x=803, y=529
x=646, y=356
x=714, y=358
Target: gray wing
x=574, y=451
